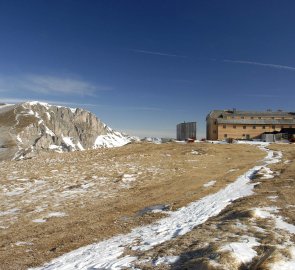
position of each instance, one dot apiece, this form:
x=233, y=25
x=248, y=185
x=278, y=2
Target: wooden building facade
x=223, y=124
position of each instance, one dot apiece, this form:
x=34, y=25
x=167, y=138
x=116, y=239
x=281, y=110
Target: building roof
x=256, y=121
x=232, y=113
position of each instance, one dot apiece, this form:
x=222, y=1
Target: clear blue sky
x=144, y=66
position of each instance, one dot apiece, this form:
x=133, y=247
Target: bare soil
x=56, y=203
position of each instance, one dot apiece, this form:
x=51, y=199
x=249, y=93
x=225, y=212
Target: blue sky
x=144, y=66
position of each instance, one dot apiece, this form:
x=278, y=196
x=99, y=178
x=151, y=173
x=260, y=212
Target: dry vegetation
x=58, y=202
x=202, y=248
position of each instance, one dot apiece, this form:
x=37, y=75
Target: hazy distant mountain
x=31, y=127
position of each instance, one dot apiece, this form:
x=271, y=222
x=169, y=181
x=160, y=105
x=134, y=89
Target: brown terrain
x=201, y=248
x=59, y=202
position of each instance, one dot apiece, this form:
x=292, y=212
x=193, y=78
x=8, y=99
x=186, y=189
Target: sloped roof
x=233, y=113
x=256, y=121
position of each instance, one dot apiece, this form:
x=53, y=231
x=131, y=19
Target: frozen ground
x=113, y=253
x=212, y=212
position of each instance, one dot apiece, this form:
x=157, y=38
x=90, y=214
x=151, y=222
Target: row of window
x=244, y=135
x=242, y=117
x=254, y=127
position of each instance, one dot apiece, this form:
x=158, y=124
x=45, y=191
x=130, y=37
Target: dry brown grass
x=198, y=248
x=170, y=174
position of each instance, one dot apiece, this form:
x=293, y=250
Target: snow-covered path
x=109, y=254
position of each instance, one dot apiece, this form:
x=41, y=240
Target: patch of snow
x=108, y=254
x=56, y=148
x=48, y=131
x=127, y=178
x=152, y=140
x=68, y=141
x=267, y=173
x=286, y=263
x=80, y=147
x=110, y=140
x=287, y=161
x=233, y=170
x=56, y=214
x=19, y=138
x=243, y=251
x=273, y=198
x=166, y=260
x=209, y=184
x=267, y=212
x=23, y=244
x=39, y=220
x=9, y=212
x=15, y=192
x=46, y=105
x=48, y=115
x=283, y=225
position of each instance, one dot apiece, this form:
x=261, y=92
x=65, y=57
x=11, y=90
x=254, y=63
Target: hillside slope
x=31, y=127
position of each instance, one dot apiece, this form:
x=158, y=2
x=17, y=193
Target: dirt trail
x=59, y=202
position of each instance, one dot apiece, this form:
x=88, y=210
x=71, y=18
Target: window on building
x=273, y=127
x=224, y=126
x=244, y=127
x=252, y=117
x=272, y=118
x=263, y=127
x=234, y=126
x=290, y=126
x=242, y=117
x=233, y=117
x=259, y=117
x=214, y=131
x=254, y=127
x=244, y=135
x=225, y=135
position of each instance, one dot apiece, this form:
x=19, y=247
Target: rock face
x=32, y=127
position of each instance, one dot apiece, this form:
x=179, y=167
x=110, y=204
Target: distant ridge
x=31, y=127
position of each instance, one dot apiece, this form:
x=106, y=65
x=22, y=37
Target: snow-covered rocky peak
x=37, y=126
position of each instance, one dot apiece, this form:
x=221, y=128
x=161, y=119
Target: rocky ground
x=58, y=202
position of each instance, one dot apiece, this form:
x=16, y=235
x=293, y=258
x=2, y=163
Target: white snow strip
x=68, y=141
x=108, y=254
x=209, y=184
x=48, y=115
x=80, y=147
x=48, y=131
x=243, y=251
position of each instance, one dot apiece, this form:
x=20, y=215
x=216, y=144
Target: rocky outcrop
x=36, y=126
